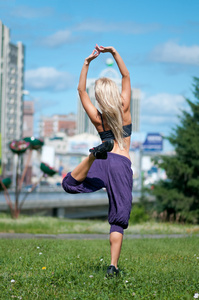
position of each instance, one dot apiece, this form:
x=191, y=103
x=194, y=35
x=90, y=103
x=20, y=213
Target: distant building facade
x=135, y=109
x=11, y=96
x=83, y=122
x=28, y=128
x=50, y=126
x=28, y=115
x=69, y=151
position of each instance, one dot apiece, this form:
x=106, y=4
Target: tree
x=19, y=147
x=179, y=194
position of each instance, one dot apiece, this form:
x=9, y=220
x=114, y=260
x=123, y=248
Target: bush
x=138, y=214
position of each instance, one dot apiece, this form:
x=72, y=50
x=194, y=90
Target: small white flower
x=12, y=281
x=91, y=276
x=101, y=259
x=194, y=254
x=197, y=257
x=196, y=296
x=126, y=281
x=40, y=253
x=38, y=247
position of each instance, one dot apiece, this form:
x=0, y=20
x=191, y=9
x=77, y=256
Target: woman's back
x=104, y=130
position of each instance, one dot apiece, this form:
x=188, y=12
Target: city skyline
x=11, y=96
x=158, y=42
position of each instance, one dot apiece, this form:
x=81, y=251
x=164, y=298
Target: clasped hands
x=97, y=51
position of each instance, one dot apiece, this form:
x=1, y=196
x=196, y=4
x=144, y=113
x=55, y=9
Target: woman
x=108, y=165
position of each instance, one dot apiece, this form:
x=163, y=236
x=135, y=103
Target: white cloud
x=48, y=78
x=28, y=12
x=171, y=52
x=161, y=109
x=59, y=38
x=160, y=120
x=127, y=27
x=163, y=103
x=66, y=36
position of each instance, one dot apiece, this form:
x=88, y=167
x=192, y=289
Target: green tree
x=179, y=194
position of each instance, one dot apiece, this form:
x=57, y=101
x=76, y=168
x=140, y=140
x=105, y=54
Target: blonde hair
x=110, y=102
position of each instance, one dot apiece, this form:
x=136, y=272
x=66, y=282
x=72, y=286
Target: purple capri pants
x=114, y=174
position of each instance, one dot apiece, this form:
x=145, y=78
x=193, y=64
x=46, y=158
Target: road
x=60, y=204
x=78, y=236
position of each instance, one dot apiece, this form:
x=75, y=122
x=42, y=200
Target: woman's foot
x=100, y=152
x=112, y=271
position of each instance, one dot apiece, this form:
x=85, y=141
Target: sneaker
x=112, y=271
x=100, y=152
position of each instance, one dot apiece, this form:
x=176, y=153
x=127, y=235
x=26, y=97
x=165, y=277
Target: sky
x=158, y=41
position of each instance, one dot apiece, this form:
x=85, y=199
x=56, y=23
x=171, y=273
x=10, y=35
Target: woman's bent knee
x=69, y=184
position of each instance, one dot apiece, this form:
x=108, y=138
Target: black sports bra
x=108, y=134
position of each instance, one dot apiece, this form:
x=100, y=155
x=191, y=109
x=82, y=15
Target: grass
x=49, y=225
x=69, y=269
x=150, y=269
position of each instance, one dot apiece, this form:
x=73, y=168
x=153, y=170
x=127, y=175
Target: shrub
x=138, y=214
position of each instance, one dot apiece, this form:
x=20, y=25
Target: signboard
x=153, y=142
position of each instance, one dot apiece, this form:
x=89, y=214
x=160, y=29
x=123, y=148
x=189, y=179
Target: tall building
x=83, y=122
x=50, y=126
x=28, y=114
x=11, y=96
x=135, y=109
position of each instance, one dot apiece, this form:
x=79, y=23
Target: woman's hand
x=93, y=55
x=104, y=49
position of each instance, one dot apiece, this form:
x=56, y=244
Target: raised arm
x=90, y=109
x=126, y=84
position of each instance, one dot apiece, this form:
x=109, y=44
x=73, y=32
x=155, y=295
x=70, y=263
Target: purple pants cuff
x=116, y=228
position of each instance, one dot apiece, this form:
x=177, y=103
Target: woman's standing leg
x=119, y=188
x=116, y=239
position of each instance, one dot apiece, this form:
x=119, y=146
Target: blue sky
x=158, y=40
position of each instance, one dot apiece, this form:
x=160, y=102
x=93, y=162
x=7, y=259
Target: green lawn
x=49, y=225
x=150, y=269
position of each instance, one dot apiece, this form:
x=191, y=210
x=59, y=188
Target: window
x=12, y=81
